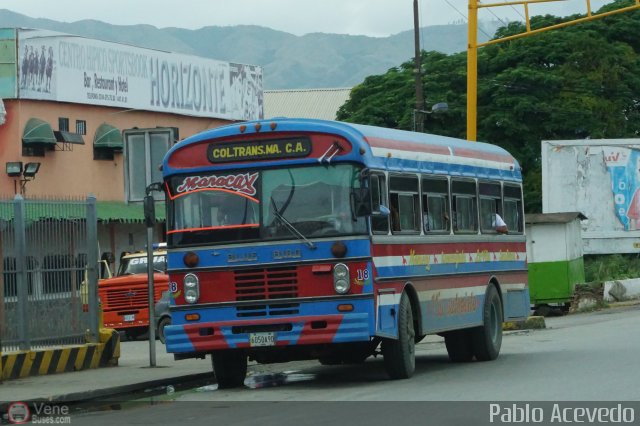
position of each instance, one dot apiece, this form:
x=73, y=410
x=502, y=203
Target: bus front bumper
x=257, y=334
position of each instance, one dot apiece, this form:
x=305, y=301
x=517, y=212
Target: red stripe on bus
x=446, y=248
x=407, y=146
x=472, y=153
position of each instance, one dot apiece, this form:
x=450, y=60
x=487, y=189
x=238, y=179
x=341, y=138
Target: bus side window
x=513, y=208
x=488, y=210
x=435, y=205
x=379, y=223
x=404, y=204
x=464, y=205
x=490, y=205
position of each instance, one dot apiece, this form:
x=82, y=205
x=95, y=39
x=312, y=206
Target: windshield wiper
x=290, y=227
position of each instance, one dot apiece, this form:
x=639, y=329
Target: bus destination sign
x=259, y=150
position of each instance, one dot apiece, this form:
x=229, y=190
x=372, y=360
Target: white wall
x=575, y=178
x=546, y=243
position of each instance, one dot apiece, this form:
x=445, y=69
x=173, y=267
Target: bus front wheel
x=230, y=368
x=399, y=354
x=487, y=339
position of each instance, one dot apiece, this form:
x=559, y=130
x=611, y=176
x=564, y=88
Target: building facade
x=87, y=116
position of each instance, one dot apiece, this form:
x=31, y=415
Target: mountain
x=316, y=60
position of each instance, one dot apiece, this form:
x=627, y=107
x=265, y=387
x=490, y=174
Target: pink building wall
x=75, y=173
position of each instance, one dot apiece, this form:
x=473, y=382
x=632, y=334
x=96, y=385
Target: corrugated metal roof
x=565, y=217
x=305, y=103
x=118, y=211
x=107, y=211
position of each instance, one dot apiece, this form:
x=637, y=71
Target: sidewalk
x=133, y=373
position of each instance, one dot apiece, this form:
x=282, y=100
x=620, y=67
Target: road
x=583, y=357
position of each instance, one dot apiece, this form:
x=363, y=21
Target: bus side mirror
x=361, y=199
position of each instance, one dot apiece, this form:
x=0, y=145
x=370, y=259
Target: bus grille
x=126, y=298
x=266, y=284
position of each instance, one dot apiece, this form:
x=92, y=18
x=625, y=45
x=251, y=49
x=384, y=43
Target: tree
x=577, y=82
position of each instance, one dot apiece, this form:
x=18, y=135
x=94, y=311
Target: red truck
x=124, y=298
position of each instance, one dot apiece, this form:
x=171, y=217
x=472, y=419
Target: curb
x=531, y=323
x=18, y=365
x=149, y=388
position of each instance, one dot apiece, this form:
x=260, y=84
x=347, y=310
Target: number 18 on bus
x=294, y=239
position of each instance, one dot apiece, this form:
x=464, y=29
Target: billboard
x=601, y=179
x=65, y=68
x=8, y=63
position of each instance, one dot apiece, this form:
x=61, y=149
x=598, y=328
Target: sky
x=375, y=18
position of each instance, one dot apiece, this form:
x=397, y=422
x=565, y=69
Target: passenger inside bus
x=499, y=225
x=236, y=211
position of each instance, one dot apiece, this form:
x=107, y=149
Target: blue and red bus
x=293, y=239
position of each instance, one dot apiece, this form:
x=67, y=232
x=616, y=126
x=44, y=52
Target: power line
x=456, y=9
x=466, y=19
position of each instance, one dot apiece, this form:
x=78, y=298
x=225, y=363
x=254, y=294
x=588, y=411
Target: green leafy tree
x=577, y=82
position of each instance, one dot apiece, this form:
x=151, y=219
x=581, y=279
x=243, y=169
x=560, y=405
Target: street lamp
x=14, y=169
x=438, y=108
x=30, y=170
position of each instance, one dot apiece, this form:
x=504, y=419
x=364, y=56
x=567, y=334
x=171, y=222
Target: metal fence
x=48, y=273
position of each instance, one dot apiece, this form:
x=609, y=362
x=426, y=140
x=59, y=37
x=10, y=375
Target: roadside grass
x=600, y=268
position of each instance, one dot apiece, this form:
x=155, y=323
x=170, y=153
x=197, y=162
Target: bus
x=294, y=239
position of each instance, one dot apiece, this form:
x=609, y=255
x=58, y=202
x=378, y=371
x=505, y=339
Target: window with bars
x=81, y=127
x=63, y=124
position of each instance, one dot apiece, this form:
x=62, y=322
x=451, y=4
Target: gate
x=48, y=273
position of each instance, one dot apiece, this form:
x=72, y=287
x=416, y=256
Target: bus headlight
x=341, y=278
x=191, y=288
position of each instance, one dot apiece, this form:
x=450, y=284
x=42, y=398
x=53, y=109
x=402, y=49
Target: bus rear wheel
x=487, y=339
x=230, y=368
x=400, y=354
x=459, y=345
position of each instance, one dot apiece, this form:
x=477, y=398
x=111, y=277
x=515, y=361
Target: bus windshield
x=289, y=203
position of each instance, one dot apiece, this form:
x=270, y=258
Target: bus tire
x=459, y=345
x=230, y=368
x=487, y=339
x=399, y=354
x=133, y=333
x=165, y=321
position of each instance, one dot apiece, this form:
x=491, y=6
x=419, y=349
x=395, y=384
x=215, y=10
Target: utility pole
x=417, y=117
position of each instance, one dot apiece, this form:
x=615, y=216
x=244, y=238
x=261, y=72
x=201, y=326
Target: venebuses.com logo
x=18, y=413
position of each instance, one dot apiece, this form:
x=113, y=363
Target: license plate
x=130, y=317
x=262, y=339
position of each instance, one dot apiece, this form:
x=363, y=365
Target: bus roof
x=375, y=147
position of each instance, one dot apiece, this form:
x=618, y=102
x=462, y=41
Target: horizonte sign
x=187, y=86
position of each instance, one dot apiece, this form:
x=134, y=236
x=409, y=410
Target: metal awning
x=38, y=131
x=108, y=136
x=68, y=137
